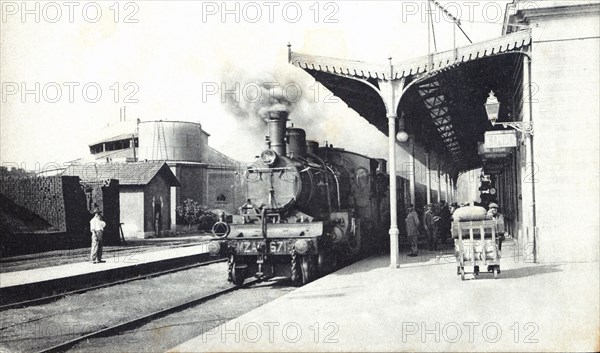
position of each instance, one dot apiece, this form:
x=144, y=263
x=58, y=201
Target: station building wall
x=132, y=215
x=565, y=78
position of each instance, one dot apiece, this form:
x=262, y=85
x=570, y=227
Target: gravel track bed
x=172, y=330
x=38, y=327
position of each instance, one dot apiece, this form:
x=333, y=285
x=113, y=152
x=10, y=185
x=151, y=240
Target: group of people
x=435, y=223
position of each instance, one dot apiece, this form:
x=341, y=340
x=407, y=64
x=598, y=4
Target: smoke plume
x=309, y=107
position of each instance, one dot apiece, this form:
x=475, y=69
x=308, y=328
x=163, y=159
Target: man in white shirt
x=97, y=227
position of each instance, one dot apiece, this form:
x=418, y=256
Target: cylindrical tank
x=296, y=142
x=171, y=140
x=276, y=120
x=312, y=147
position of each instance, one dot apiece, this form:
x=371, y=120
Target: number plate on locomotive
x=248, y=246
x=278, y=247
x=251, y=247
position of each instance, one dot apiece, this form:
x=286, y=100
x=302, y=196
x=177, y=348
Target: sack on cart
x=486, y=249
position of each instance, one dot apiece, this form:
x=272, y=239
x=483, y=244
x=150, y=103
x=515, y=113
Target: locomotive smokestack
x=276, y=120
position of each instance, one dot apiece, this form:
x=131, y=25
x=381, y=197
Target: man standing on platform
x=445, y=220
x=412, y=229
x=97, y=227
x=493, y=213
x=428, y=225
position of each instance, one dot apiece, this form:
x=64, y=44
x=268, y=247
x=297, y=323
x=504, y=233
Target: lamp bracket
x=524, y=127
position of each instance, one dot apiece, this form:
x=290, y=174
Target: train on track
x=308, y=209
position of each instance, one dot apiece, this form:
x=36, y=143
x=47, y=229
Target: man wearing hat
x=97, y=227
x=428, y=225
x=412, y=228
x=494, y=214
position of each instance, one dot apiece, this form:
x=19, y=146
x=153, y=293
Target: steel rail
x=50, y=298
x=144, y=319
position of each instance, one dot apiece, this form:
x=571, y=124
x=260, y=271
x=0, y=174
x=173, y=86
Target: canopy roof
x=444, y=106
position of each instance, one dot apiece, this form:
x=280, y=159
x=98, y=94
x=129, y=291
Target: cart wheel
x=462, y=273
x=495, y=272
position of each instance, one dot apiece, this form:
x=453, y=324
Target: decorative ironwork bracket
x=524, y=127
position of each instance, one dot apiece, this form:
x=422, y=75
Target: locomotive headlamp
x=268, y=157
x=214, y=247
x=301, y=246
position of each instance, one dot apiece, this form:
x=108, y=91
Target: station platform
x=424, y=306
x=132, y=247
x=22, y=285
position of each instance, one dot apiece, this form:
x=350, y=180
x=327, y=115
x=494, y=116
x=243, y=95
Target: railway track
x=51, y=298
x=115, y=329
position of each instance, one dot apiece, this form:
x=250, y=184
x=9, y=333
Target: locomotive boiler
x=307, y=209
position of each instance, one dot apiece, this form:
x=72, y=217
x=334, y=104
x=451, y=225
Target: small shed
x=144, y=194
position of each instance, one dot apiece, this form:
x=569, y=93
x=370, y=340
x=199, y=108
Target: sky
x=66, y=70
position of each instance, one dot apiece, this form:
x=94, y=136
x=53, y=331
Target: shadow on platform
x=512, y=263
x=529, y=271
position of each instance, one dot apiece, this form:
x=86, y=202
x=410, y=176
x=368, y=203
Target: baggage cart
x=476, y=246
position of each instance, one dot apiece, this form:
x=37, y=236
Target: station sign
x=500, y=139
x=493, y=169
x=500, y=152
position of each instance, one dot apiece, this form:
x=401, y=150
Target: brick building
x=47, y=213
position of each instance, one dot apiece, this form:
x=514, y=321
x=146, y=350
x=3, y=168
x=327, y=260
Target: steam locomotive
x=307, y=210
